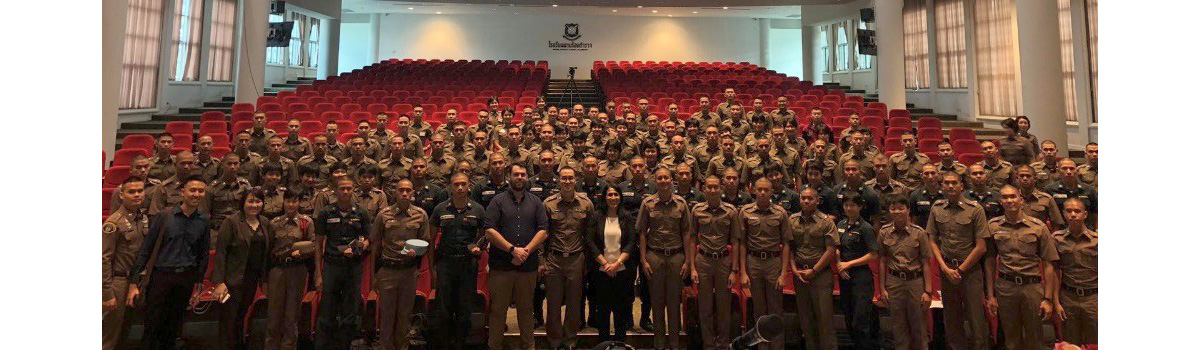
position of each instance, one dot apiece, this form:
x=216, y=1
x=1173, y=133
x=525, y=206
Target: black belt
x=762, y=254
x=906, y=275
x=714, y=255
x=411, y=263
x=1020, y=279
x=952, y=263
x=1083, y=292
x=288, y=261
x=666, y=252
x=563, y=254
x=174, y=269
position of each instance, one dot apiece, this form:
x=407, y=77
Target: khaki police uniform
x=907, y=168
x=1042, y=206
x=997, y=175
x=904, y=279
x=395, y=278
x=1021, y=247
x=1087, y=174
x=295, y=148
x=713, y=229
x=1079, y=289
x=165, y=195
x=812, y=234
x=161, y=168
x=614, y=172
x=953, y=166
x=766, y=229
x=723, y=161
x=224, y=198
x=123, y=233
x=954, y=227
x=287, y=280
x=663, y=224
x=570, y=221
x=208, y=169
x=323, y=164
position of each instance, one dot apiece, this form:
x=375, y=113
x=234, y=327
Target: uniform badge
x=109, y=227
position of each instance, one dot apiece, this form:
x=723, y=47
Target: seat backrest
x=115, y=175
x=143, y=141
x=125, y=156
x=179, y=127
x=966, y=146
x=212, y=116
x=929, y=134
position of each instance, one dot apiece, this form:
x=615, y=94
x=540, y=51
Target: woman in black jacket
x=240, y=265
x=611, y=244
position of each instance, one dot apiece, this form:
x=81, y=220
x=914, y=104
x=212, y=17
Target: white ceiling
x=664, y=8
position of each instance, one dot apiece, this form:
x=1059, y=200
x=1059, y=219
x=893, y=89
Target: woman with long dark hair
x=240, y=264
x=611, y=245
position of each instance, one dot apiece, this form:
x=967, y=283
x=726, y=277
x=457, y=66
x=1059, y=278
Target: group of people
x=586, y=208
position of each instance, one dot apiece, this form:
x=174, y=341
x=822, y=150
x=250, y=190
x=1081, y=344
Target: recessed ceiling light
x=670, y=15
x=694, y=12
x=555, y=5
x=614, y=10
x=724, y=7
x=410, y=8
x=655, y=11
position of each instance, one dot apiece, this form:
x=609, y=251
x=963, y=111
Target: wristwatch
x=511, y=248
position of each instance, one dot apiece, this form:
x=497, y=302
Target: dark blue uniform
x=862, y=319
x=457, y=268
x=341, y=275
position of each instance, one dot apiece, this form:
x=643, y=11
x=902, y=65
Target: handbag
x=144, y=283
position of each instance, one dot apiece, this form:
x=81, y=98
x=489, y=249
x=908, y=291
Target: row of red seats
x=295, y=103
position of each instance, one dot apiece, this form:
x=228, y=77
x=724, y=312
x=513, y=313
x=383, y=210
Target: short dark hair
x=853, y=197
x=132, y=179
x=895, y=199
x=291, y=193
x=191, y=178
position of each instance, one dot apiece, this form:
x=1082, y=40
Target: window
x=951, y=40
x=295, y=47
x=843, y=49
x=275, y=54
x=995, y=58
x=220, y=40
x=823, y=47
x=916, y=45
x=185, y=54
x=314, y=42
x=1067, y=50
x=864, y=61
x=139, y=63
x=1091, y=28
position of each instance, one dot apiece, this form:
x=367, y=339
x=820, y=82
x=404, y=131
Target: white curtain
x=140, y=58
x=220, y=40
x=1091, y=27
x=831, y=48
x=186, y=35
x=995, y=58
x=916, y=45
x=1067, y=49
x=950, y=31
x=851, y=26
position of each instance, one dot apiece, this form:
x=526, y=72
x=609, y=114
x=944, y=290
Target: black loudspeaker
x=867, y=15
x=277, y=7
x=866, y=42
x=279, y=34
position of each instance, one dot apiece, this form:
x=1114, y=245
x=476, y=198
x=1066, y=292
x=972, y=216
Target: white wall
x=785, y=53
x=526, y=37
x=357, y=43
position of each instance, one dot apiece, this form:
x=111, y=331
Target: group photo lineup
x=610, y=175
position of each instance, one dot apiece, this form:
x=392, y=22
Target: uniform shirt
x=460, y=228
x=321, y=163
x=185, y=242
x=892, y=186
x=866, y=163
x=829, y=200
x=663, y=222
x=123, y=233
x=740, y=199
x=115, y=200
x=722, y=161
x=440, y=169
x=738, y=128
x=704, y=155
x=392, y=170
x=295, y=148
x=393, y=227
x=517, y=222
x=593, y=191
x=308, y=198
x=427, y=197
x=207, y=169
x=871, y=202
x=1087, y=174
x=339, y=228
x=907, y=168
x=286, y=231
x=337, y=149
x=633, y=194
x=1016, y=150
x=483, y=192
x=570, y=222
x=788, y=199
x=765, y=228
x=756, y=166
x=288, y=165
x=1042, y=206
x=920, y=203
x=1022, y=245
x=956, y=225
x=789, y=157
x=955, y=166
x=1045, y=172
x=856, y=238
x=1086, y=193
x=990, y=200
x=273, y=204
x=905, y=248
x=812, y=233
x=691, y=195
x=706, y=119
x=714, y=227
x=1078, y=258
x=225, y=197
x=352, y=165
x=780, y=117
x=543, y=187
x=259, y=139
x=161, y=168
x=997, y=175
x=673, y=160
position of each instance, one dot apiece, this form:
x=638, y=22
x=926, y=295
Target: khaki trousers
x=814, y=301
x=768, y=297
x=397, y=288
x=666, y=288
x=963, y=311
x=1080, y=327
x=113, y=326
x=507, y=287
x=714, y=294
x=908, y=313
x=564, y=286
x=1019, y=314
x=285, y=291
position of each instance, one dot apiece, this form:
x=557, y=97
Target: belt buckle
x=1019, y=279
x=715, y=255
x=762, y=255
x=1080, y=292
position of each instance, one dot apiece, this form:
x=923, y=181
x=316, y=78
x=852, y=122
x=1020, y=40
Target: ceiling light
x=655, y=11
x=614, y=10
x=410, y=8
x=694, y=12
x=555, y=5
x=670, y=15
x=439, y=12
x=724, y=7
x=639, y=6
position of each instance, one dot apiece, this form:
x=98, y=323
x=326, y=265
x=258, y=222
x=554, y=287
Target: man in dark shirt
x=342, y=229
x=176, y=269
x=516, y=223
x=460, y=221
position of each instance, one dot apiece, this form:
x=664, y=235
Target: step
x=961, y=124
x=177, y=117
x=222, y=104
x=300, y=82
x=228, y=99
x=943, y=117
x=920, y=110
x=286, y=85
x=198, y=110
x=148, y=125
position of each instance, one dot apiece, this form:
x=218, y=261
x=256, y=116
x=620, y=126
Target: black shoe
x=538, y=323
x=647, y=325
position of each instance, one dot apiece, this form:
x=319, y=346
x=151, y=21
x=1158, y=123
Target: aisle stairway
x=158, y=122
x=949, y=121
x=560, y=94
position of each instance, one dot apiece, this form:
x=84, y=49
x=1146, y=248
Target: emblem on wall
x=571, y=31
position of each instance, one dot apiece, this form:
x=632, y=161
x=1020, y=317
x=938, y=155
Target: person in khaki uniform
x=958, y=230
x=814, y=247
x=319, y=156
x=998, y=170
x=162, y=164
x=766, y=256
x=883, y=183
x=864, y=155
x=664, y=223
x=1076, y=298
x=1038, y=204
x=122, y=235
x=295, y=145
x=1023, y=246
x=167, y=194
x=948, y=163
x=225, y=193
x=287, y=279
x=1089, y=171
x=906, y=165
x=907, y=287
x=571, y=220
x=728, y=159
x=396, y=264
x=359, y=156
x=715, y=225
x=137, y=169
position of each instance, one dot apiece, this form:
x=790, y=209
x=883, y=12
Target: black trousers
x=615, y=302
x=340, y=312
x=456, y=277
x=862, y=319
x=166, y=300
x=233, y=313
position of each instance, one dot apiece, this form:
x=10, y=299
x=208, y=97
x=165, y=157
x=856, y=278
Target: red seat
x=928, y=145
x=106, y=200
x=180, y=128
x=212, y=116
x=329, y=116
x=929, y=134
x=872, y=122
x=183, y=142
x=962, y=134
x=895, y=132
x=219, y=140
x=899, y=113
x=270, y=107
x=874, y=112
x=241, y=116
x=218, y=152
x=279, y=126
x=241, y=126
x=966, y=146
x=877, y=105
x=142, y=141
x=214, y=127
x=311, y=126
x=929, y=122
x=125, y=156
x=115, y=175
x=892, y=145
x=243, y=107
x=969, y=158
x=900, y=122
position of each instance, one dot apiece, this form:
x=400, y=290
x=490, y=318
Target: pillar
x=252, y=50
x=764, y=42
x=889, y=61
x=1041, y=69
x=331, y=33
x=806, y=51
x=114, y=14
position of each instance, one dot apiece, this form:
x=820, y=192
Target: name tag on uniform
x=628, y=194
x=1060, y=195
x=841, y=230
x=922, y=202
x=333, y=220
x=447, y=217
x=489, y=193
x=535, y=189
x=839, y=196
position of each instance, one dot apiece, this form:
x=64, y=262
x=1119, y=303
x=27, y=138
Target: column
x=1041, y=69
x=1083, y=76
x=764, y=42
x=331, y=33
x=889, y=62
x=807, y=52
x=252, y=50
x=112, y=39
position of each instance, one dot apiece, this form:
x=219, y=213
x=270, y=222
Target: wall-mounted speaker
x=867, y=15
